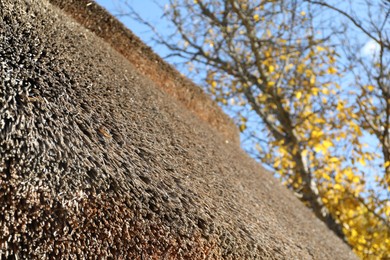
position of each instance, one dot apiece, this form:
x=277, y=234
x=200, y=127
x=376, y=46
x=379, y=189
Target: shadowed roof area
x=98, y=160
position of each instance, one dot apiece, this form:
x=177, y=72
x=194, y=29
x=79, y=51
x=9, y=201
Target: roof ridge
x=96, y=19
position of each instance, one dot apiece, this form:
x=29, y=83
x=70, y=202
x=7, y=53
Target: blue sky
x=149, y=10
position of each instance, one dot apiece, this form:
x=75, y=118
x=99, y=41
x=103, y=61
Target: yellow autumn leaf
x=298, y=94
x=315, y=91
x=348, y=173
x=271, y=68
x=303, y=13
x=262, y=98
x=312, y=80
x=270, y=84
x=355, y=179
x=323, y=147
x=214, y=84
x=370, y=87
x=283, y=151
x=319, y=148
x=317, y=134
x=332, y=70
x=256, y=17
x=276, y=164
x=337, y=187
x=362, y=240
x=387, y=211
x=319, y=121
x=327, y=143
x=320, y=48
x=354, y=233
x=362, y=161
x=300, y=68
x=340, y=105
x=308, y=73
x=351, y=213
x=242, y=127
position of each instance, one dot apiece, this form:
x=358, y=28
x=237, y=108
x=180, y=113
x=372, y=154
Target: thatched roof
x=101, y=158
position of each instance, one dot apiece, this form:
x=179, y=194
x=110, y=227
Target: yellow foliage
x=270, y=84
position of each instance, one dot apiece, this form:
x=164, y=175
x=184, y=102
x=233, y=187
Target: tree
x=280, y=71
x=370, y=75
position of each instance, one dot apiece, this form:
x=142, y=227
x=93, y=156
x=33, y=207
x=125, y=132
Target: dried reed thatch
x=99, y=159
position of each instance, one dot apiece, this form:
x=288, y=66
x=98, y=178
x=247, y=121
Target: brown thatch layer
x=97, y=162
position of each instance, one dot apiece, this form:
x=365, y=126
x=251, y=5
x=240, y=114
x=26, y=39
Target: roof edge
x=96, y=19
